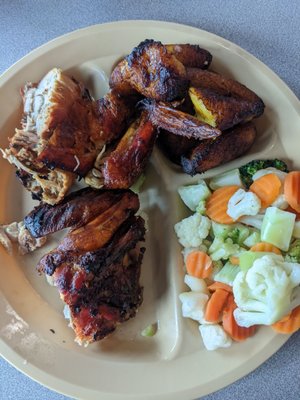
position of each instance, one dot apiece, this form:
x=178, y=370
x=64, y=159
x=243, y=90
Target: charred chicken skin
x=96, y=267
x=175, y=121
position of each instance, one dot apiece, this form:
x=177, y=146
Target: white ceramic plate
x=173, y=364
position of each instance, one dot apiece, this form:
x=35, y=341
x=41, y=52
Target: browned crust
x=212, y=153
x=190, y=55
x=211, y=80
x=151, y=71
x=228, y=110
x=76, y=210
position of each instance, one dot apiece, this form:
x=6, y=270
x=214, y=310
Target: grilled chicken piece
x=76, y=210
x=223, y=111
x=190, y=55
x=44, y=184
x=102, y=289
x=151, y=71
x=92, y=235
x=125, y=164
x=203, y=79
x=175, y=121
x=211, y=153
x=96, y=267
x=63, y=129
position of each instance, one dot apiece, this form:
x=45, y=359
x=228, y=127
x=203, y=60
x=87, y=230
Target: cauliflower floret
x=254, y=220
x=193, y=305
x=221, y=249
x=243, y=203
x=192, y=230
x=280, y=202
x=195, y=284
x=264, y=293
x=194, y=194
x=214, y=337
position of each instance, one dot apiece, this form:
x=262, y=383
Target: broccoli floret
x=249, y=169
x=293, y=254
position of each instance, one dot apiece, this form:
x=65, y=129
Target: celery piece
x=227, y=274
x=252, y=239
x=277, y=227
x=136, y=187
x=247, y=258
x=296, y=230
x=226, y=179
x=150, y=330
x=193, y=194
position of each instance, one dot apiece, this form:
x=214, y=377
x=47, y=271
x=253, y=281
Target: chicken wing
x=163, y=116
x=124, y=165
x=76, y=210
x=211, y=153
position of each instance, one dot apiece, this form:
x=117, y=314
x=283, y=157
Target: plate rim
x=70, y=389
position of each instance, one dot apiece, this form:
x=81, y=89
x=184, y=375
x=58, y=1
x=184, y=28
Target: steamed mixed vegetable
x=241, y=250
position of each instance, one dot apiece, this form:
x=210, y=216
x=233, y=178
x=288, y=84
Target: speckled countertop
x=267, y=29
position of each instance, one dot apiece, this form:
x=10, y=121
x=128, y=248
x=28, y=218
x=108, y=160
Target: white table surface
x=267, y=29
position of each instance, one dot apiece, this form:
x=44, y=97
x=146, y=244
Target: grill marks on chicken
x=96, y=266
x=76, y=210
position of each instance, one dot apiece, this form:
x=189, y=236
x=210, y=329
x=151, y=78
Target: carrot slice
x=217, y=203
x=265, y=247
x=292, y=189
x=215, y=305
x=290, y=323
x=267, y=188
x=199, y=264
x=234, y=260
x=236, y=332
x=219, y=285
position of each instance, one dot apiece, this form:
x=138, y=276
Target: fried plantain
x=211, y=153
x=228, y=87
x=223, y=111
x=178, y=122
x=190, y=55
x=151, y=71
x=174, y=146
